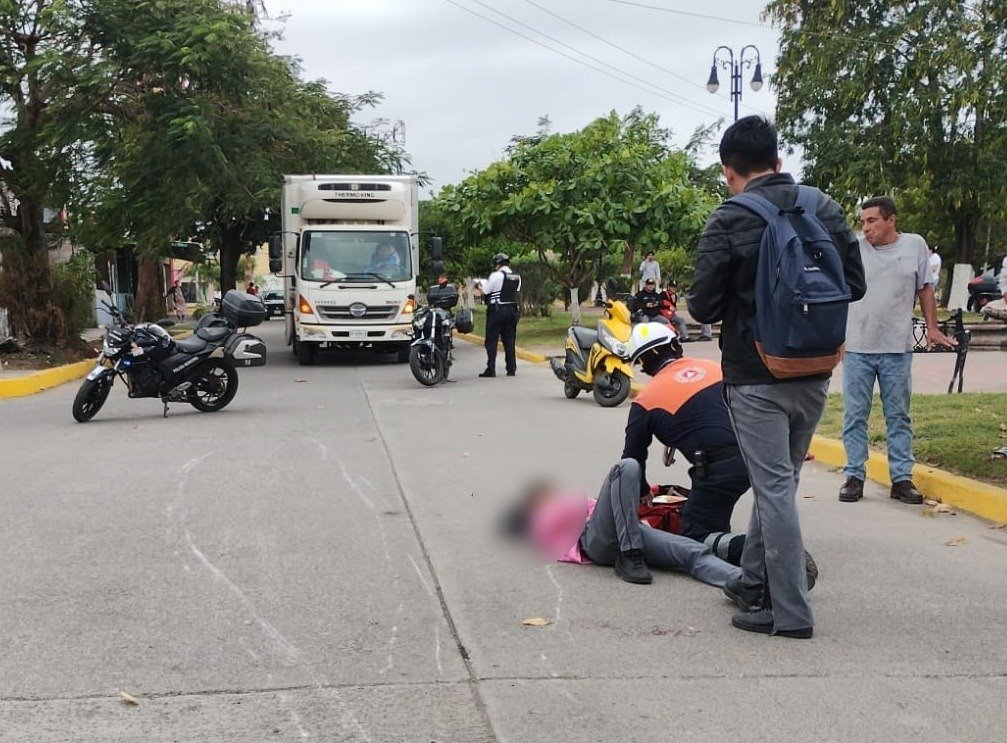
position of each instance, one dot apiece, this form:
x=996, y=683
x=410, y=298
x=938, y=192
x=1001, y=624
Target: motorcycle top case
x=246, y=350
x=445, y=297
x=243, y=309
x=464, y=321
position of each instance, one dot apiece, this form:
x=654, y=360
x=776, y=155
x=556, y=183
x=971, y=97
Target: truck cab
x=349, y=256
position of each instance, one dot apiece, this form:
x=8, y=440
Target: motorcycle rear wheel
x=429, y=370
x=90, y=398
x=614, y=393
x=214, y=388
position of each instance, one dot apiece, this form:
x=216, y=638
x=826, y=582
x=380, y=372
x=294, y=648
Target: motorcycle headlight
x=612, y=343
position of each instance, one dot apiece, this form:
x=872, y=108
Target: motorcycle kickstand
x=165, y=408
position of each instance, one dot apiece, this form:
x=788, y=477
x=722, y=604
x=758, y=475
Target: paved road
x=317, y=563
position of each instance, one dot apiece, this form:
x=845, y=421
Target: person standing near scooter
x=500, y=294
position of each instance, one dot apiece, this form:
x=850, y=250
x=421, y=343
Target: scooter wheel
x=614, y=393
x=570, y=390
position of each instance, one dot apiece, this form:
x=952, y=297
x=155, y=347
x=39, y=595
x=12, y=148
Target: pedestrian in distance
x=648, y=302
x=177, y=298
x=571, y=527
x=774, y=411
x=669, y=310
x=879, y=347
x=500, y=293
x=650, y=269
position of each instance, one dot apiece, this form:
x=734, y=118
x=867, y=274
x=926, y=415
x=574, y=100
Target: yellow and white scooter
x=599, y=360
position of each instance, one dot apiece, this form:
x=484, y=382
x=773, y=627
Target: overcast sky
x=464, y=86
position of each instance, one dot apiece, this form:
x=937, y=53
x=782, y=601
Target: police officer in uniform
x=500, y=294
x=683, y=408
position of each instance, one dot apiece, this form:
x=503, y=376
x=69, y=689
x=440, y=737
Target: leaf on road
x=998, y=526
x=954, y=542
x=536, y=622
x=128, y=698
x=809, y=497
x=936, y=508
x=466, y=455
x=300, y=380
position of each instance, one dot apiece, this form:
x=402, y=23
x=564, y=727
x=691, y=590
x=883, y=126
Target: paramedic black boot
x=629, y=566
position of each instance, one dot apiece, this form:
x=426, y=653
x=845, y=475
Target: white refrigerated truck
x=349, y=254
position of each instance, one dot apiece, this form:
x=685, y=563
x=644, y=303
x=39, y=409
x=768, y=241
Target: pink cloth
x=556, y=527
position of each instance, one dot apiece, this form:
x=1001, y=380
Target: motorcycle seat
x=192, y=344
x=212, y=334
x=586, y=337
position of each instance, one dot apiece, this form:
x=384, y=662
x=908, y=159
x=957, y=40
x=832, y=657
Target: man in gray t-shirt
x=879, y=344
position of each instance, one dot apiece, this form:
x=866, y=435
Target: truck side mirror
x=436, y=245
x=275, y=265
x=437, y=267
x=275, y=250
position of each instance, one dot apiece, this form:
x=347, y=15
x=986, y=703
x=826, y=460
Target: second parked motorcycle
x=200, y=371
x=431, y=353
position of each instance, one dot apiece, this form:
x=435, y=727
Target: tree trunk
x=628, y=259
x=575, y=305
x=230, y=254
x=149, y=304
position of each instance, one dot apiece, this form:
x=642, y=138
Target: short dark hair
x=750, y=145
x=649, y=252
x=885, y=204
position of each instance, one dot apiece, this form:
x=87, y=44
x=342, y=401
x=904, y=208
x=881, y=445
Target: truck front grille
x=342, y=312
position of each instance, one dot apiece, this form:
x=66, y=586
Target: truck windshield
x=355, y=256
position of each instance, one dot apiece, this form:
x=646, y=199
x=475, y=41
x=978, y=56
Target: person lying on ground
x=606, y=530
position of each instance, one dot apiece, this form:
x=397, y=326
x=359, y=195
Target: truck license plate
x=358, y=335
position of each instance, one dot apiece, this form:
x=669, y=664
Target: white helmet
x=649, y=336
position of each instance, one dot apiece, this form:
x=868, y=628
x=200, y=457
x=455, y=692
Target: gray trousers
x=615, y=527
x=774, y=424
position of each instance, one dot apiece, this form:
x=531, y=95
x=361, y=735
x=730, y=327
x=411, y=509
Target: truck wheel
x=305, y=353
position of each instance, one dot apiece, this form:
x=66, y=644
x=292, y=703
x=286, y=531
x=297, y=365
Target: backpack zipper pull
x=805, y=308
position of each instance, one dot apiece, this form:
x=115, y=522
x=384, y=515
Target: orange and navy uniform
x=683, y=407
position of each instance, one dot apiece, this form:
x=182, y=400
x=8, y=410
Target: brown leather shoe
x=852, y=490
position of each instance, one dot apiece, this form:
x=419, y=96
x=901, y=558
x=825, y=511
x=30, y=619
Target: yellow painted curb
x=973, y=496
x=29, y=384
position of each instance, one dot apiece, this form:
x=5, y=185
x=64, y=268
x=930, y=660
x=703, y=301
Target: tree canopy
x=613, y=187
x=901, y=97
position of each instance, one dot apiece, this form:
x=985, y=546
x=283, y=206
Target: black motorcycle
x=200, y=370
x=431, y=353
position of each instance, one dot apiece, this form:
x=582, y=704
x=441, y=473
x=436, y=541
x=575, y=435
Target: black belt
x=719, y=455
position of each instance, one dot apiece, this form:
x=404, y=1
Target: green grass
x=954, y=432
x=542, y=332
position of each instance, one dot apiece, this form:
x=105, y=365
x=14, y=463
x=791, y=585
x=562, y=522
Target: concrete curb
x=535, y=358
x=973, y=496
x=46, y=379
x=29, y=384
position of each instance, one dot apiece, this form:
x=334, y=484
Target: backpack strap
x=807, y=200
x=760, y=205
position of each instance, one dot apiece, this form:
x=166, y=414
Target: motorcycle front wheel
x=214, y=388
x=427, y=365
x=570, y=390
x=614, y=393
x=90, y=397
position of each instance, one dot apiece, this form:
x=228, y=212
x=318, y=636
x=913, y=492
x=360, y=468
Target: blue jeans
x=895, y=380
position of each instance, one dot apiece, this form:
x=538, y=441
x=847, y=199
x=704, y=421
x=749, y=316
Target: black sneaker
x=746, y=599
x=629, y=566
x=906, y=492
x=852, y=490
x=761, y=621
x=511, y=374
x=488, y=374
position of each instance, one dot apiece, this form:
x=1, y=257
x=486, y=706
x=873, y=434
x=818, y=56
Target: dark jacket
x=723, y=289
x=643, y=298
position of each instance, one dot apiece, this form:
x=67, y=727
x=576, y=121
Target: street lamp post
x=734, y=66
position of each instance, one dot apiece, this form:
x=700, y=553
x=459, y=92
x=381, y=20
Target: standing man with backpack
x=778, y=266
x=880, y=347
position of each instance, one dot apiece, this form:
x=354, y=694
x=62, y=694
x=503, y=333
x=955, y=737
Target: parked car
x=983, y=289
x=273, y=299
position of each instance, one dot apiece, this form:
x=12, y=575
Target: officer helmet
x=501, y=259
x=653, y=343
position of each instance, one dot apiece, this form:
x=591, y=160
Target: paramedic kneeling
x=683, y=407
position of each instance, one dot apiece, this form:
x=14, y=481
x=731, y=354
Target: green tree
x=614, y=187
x=907, y=97
x=52, y=78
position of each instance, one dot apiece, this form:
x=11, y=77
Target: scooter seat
x=586, y=337
x=192, y=344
